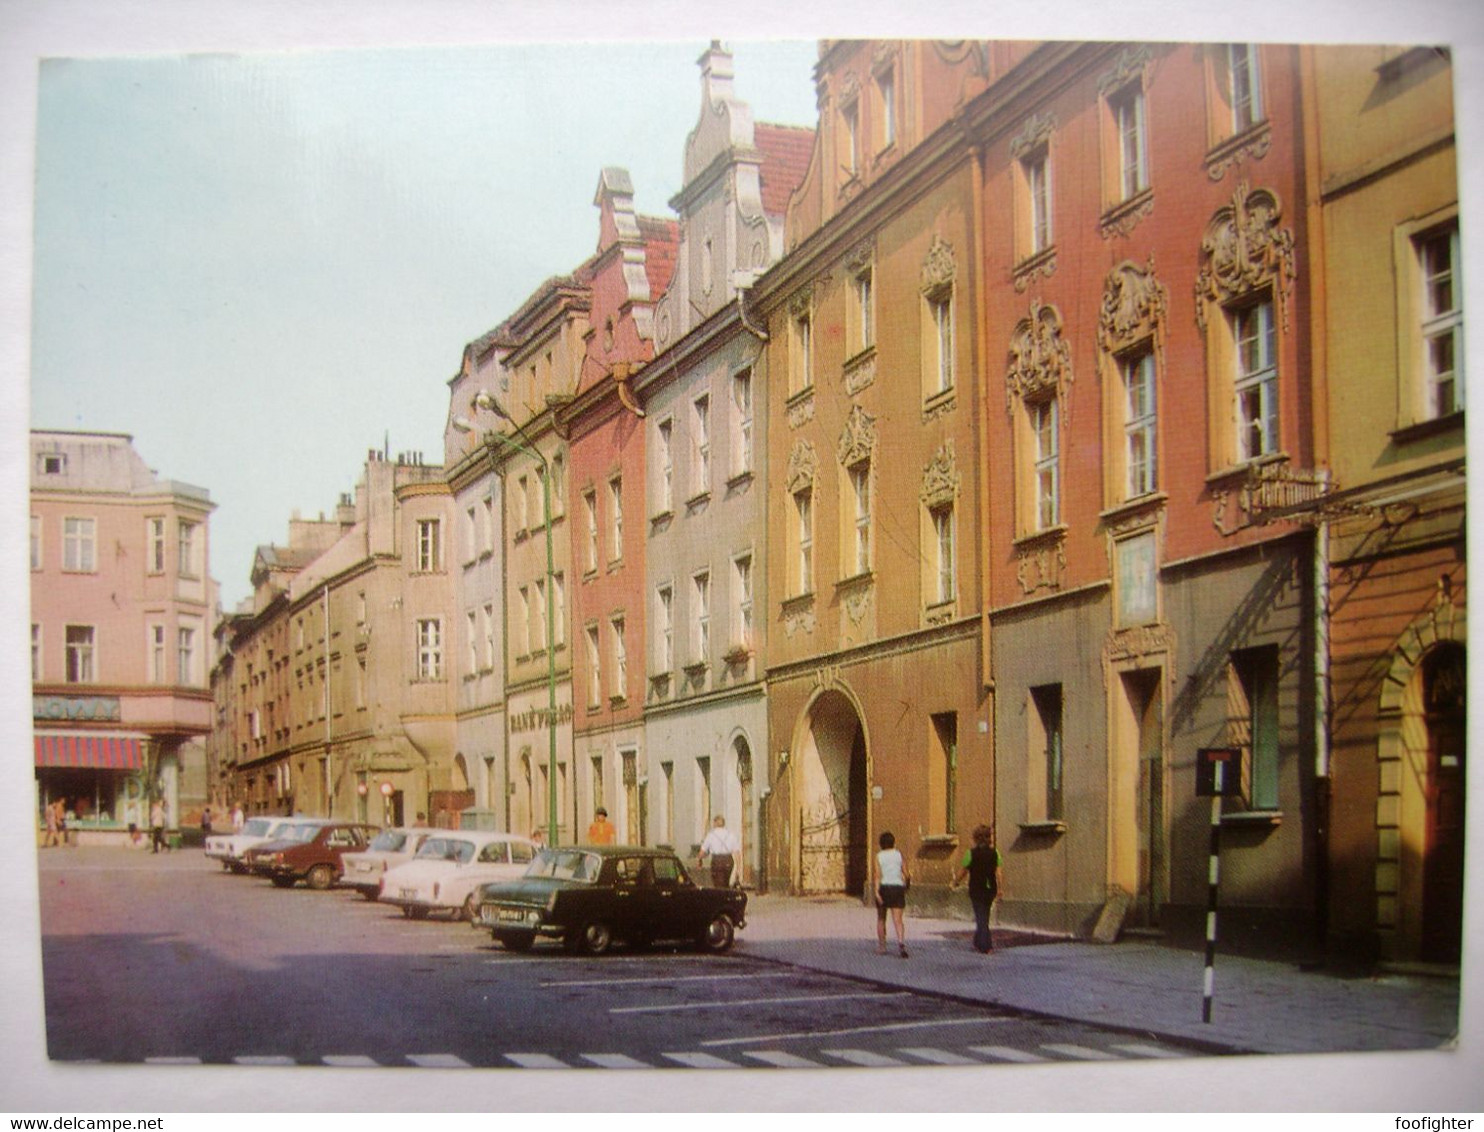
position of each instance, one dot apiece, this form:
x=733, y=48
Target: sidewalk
x=1144, y=987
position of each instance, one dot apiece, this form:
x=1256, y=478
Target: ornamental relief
x=801, y=411
x=858, y=440
x=857, y=602
x=1245, y=249
x=1042, y=267
x=803, y=467
x=801, y=302
x=859, y=374
x=1133, y=62
x=860, y=258
x=1040, y=567
x=1135, y=305
x=940, y=478
x=1255, y=146
x=798, y=619
x=1123, y=220
x=1138, y=641
x=939, y=266
x=1040, y=359
x=1035, y=133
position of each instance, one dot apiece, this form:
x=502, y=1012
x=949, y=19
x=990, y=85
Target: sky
x=256, y=235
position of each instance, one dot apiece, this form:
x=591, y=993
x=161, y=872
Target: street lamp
x=486, y=401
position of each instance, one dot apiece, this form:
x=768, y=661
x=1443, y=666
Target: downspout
x=986, y=557
x=329, y=797
x=757, y=332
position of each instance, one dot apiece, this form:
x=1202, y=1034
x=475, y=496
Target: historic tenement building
x=122, y=615
x=341, y=699
x=703, y=533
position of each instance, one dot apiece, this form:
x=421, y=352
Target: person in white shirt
x=724, y=848
x=892, y=880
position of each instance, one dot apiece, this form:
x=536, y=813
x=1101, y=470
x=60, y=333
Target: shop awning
x=108, y=752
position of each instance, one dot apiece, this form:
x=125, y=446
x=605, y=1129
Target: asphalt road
x=167, y=959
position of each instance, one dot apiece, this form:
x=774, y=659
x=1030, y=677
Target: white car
x=388, y=849
x=450, y=866
x=231, y=848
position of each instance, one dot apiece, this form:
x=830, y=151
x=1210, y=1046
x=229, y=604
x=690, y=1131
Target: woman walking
x=981, y=867
x=891, y=879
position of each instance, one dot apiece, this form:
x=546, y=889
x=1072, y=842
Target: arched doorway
x=1444, y=716
x=832, y=791
x=739, y=810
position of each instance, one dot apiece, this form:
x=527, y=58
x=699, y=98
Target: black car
x=590, y=896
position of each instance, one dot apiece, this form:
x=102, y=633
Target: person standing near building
x=205, y=821
x=981, y=865
x=725, y=848
x=238, y=818
x=53, y=825
x=601, y=832
x=892, y=881
x=157, y=824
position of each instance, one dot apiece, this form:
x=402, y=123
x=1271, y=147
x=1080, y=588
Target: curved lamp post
x=522, y=443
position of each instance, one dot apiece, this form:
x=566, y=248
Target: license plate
x=511, y=915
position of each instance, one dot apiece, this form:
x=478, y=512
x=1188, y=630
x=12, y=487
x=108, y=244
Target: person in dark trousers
x=157, y=825
x=981, y=867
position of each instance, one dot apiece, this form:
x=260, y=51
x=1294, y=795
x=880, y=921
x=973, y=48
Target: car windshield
x=389, y=840
x=257, y=827
x=446, y=849
x=566, y=864
x=298, y=833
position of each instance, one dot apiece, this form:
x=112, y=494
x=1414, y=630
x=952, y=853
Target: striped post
x=1214, y=877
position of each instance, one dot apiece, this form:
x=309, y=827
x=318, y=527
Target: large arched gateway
x=831, y=784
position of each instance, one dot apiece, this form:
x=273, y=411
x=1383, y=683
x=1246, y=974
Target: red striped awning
x=109, y=752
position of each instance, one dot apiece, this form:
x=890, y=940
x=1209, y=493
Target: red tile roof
x=661, y=244
x=786, y=151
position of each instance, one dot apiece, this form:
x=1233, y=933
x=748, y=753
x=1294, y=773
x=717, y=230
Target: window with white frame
x=559, y=609
x=801, y=355
x=538, y=617
x=471, y=534
x=79, y=546
x=429, y=545
x=946, y=571
x=862, y=302
x=804, y=541
x=429, y=648
x=558, y=470
x=860, y=492
x=850, y=139
x=594, y=668
x=742, y=600
x=742, y=422
x=185, y=656
x=886, y=102
x=522, y=504
x=938, y=362
x=522, y=621
x=51, y=463
x=590, y=517
x=1256, y=380
x=620, y=656
x=487, y=543
x=1442, y=321
x=1243, y=86
x=158, y=673
x=36, y=559
x=701, y=445
x=615, y=518
x=471, y=638
x=155, y=537
x=1131, y=141
x=1047, y=469
x=701, y=617
x=487, y=635
x=665, y=461
x=1140, y=450
x=664, y=629
x=80, y=641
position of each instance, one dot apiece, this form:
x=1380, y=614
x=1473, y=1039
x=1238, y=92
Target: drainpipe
x=757, y=332
x=1323, y=784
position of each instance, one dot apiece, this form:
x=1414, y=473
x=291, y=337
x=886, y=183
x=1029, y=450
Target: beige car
x=388, y=849
x=449, y=866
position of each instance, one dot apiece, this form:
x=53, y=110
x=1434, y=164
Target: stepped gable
x=786, y=151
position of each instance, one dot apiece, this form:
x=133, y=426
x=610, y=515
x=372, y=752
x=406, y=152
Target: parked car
x=388, y=849
x=448, y=867
x=590, y=896
x=231, y=848
x=310, y=852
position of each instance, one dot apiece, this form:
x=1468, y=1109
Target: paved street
x=190, y=964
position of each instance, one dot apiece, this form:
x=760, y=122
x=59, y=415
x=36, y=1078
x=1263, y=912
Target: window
x=1243, y=91
x=522, y=621
x=472, y=641
x=620, y=657
x=1047, y=464
x=615, y=518
x=80, y=659
x=938, y=363
x=801, y=368
x=942, y=772
x=1046, y=791
x=535, y=505
x=487, y=634
x=36, y=542
x=558, y=473
x=664, y=610
x=666, y=467
x=742, y=422
x=471, y=534
x=1139, y=444
x=1127, y=107
x=668, y=826
x=703, y=797
x=1035, y=173
x=850, y=140
x=804, y=541
x=594, y=668
x=429, y=545
x=538, y=617
x=51, y=463
x=35, y=652
x=707, y=266
x=1442, y=322
x=559, y=609
x=742, y=600
x=590, y=513
x=78, y=546
x=1256, y=382
x=886, y=99
x=701, y=445
x=945, y=572
x=155, y=536
x=157, y=671
x=701, y=618
x=522, y=504
x=430, y=649
x=862, y=311
x=360, y=682
x=1252, y=720
x=185, y=655
x=488, y=543
x=860, y=490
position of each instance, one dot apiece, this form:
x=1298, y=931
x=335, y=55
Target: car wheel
x=415, y=912
x=519, y=942
x=369, y=893
x=718, y=935
x=236, y=868
x=282, y=882
x=595, y=938
x=320, y=877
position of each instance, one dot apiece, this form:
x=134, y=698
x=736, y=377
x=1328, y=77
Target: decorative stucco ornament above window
x=1132, y=63
x=1040, y=360
x=1244, y=250
x=803, y=467
x=939, y=267
x=1033, y=135
x=940, y=478
x=1135, y=309
x=858, y=440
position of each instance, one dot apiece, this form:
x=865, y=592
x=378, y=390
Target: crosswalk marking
x=350, y=1061
x=437, y=1061
x=1148, y=1051
x=868, y=1058
x=536, y=1061
x=782, y=1060
x=1006, y=1053
x=1082, y=1053
x=268, y=1059
x=669, y=1007
x=615, y=1061
x=937, y=1056
x=701, y=1061
x=172, y=1061
x=664, y=980
x=920, y=1024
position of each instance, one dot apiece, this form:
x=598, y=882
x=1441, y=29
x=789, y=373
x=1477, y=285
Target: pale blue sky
x=262, y=265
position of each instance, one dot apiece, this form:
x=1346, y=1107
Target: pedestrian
x=892, y=881
x=157, y=824
x=725, y=849
x=52, y=826
x=206, y=821
x=601, y=832
x=981, y=866
x=238, y=818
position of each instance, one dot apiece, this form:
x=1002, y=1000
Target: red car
x=310, y=853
